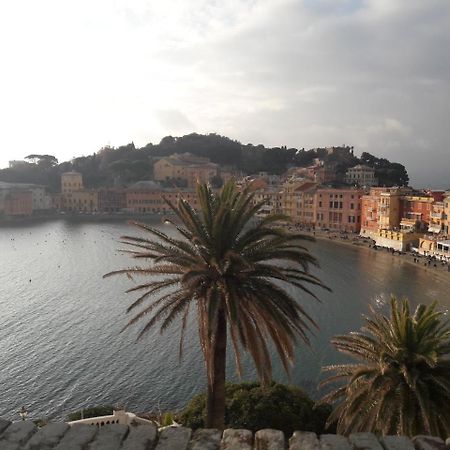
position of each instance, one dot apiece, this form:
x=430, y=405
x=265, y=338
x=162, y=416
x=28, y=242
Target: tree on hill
x=388, y=174
x=234, y=274
x=127, y=164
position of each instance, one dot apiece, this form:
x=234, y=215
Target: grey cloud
x=373, y=74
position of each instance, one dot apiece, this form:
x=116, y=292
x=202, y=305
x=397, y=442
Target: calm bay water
x=60, y=346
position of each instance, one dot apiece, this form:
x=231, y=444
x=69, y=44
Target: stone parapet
x=60, y=436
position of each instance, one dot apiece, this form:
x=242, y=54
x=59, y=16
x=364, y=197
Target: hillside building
x=184, y=167
x=361, y=175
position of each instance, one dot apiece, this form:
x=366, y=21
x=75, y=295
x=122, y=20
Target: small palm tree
x=233, y=272
x=401, y=382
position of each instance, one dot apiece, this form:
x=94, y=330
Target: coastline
x=353, y=241
x=87, y=218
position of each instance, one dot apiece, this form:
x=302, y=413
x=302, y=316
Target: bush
x=96, y=411
x=248, y=405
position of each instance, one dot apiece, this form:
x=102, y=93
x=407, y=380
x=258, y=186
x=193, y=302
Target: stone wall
x=60, y=436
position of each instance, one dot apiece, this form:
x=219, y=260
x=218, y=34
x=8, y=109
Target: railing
x=118, y=417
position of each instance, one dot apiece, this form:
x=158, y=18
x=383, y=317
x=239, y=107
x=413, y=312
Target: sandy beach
x=436, y=268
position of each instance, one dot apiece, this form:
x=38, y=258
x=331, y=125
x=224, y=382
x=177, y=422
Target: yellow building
x=298, y=200
x=389, y=210
x=427, y=245
x=184, y=167
x=84, y=201
x=71, y=181
x=446, y=219
x=272, y=199
x=398, y=240
x=437, y=222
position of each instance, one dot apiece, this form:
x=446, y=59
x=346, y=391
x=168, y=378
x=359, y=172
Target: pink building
x=338, y=209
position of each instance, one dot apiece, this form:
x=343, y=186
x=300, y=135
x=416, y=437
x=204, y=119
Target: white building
x=361, y=175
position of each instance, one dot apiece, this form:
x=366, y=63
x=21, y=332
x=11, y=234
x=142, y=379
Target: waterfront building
x=112, y=199
x=70, y=182
x=338, y=209
x=446, y=219
x=273, y=201
x=443, y=249
x=397, y=240
x=416, y=212
x=302, y=203
x=184, y=167
x=381, y=210
x=18, y=202
x=83, y=201
x=361, y=175
x=437, y=218
x=427, y=245
x=40, y=200
x=148, y=197
x=291, y=195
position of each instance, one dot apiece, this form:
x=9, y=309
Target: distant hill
x=127, y=164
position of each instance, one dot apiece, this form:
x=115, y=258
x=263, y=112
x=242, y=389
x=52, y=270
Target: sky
x=375, y=74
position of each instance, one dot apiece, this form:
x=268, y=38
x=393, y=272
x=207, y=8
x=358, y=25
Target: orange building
x=381, y=210
x=338, y=209
x=18, y=203
x=416, y=212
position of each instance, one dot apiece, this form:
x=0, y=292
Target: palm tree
x=401, y=382
x=227, y=268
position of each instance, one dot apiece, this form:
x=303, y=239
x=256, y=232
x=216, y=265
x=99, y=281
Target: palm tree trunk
x=215, y=401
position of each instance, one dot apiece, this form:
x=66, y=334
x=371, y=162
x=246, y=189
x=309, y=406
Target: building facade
x=381, y=210
x=112, y=199
x=416, y=212
x=338, y=209
x=18, y=203
x=184, y=167
x=70, y=182
x=361, y=175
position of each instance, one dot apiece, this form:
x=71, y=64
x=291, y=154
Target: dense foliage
x=400, y=382
x=94, y=411
x=251, y=406
x=127, y=164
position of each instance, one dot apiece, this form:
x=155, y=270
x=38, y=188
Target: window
x=352, y=206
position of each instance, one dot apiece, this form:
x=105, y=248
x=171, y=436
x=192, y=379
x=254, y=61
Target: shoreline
x=80, y=218
x=356, y=241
